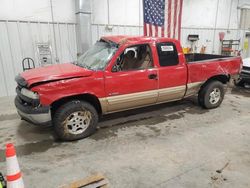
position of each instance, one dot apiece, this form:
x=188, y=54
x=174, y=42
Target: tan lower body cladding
x=146, y=98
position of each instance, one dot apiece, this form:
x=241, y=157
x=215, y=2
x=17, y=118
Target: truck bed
x=204, y=66
x=194, y=57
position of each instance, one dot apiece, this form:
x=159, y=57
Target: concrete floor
x=169, y=145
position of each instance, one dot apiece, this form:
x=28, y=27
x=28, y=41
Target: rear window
x=167, y=53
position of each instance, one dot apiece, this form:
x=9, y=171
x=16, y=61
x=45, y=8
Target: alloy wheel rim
x=78, y=122
x=215, y=96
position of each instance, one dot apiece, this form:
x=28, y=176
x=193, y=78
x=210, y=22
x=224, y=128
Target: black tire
x=69, y=112
x=206, y=90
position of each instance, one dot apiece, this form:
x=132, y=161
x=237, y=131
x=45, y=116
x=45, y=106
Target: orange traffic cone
x=14, y=177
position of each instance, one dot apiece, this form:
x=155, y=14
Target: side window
x=168, y=55
x=134, y=58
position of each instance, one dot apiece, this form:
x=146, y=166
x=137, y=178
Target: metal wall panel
x=209, y=37
x=99, y=30
x=18, y=39
x=7, y=61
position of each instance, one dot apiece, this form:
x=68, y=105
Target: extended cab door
x=172, y=72
x=132, y=80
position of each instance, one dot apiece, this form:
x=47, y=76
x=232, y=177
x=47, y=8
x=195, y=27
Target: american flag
x=162, y=18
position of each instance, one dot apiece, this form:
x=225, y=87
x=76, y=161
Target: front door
x=133, y=80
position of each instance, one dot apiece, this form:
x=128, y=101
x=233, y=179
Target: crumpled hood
x=54, y=72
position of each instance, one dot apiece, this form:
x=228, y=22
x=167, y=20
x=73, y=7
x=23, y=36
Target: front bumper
x=39, y=115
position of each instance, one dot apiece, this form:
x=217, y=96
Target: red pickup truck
x=119, y=73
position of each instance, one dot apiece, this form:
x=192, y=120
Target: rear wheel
x=211, y=95
x=75, y=120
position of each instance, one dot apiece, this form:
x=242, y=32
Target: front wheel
x=211, y=95
x=75, y=120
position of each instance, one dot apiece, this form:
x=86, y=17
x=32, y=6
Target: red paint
x=106, y=83
x=54, y=72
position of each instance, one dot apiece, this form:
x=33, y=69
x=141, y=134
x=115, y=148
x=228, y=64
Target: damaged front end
x=28, y=104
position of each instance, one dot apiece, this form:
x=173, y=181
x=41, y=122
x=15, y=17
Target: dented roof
x=120, y=39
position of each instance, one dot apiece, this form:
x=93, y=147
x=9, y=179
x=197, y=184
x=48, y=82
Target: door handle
x=152, y=76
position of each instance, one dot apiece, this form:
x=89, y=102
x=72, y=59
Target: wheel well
x=222, y=78
x=85, y=97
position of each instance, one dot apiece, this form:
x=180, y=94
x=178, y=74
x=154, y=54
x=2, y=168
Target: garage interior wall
x=25, y=23
x=199, y=17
